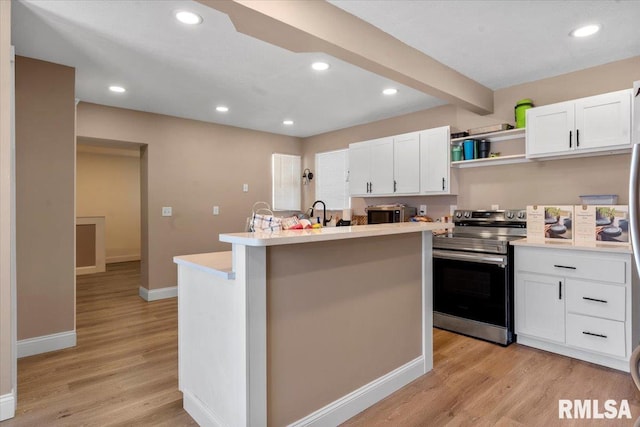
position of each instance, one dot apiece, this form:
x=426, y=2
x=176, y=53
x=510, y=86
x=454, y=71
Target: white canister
x=346, y=214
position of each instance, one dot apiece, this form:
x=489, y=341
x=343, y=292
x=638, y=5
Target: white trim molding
x=46, y=343
x=122, y=258
x=357, y=401
x=7, y=406
x=156, y=294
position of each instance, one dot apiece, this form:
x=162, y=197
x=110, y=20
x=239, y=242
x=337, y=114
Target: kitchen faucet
x=324, y=212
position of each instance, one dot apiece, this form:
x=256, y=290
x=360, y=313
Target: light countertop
x=560, y=244
x=288, y=237
x=217, y=263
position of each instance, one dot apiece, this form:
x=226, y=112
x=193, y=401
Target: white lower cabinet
x=579, y=303
x=540, y=307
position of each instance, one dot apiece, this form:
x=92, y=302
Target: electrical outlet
x=423, y=210
x=495, y=207
x=216, y=210
x=245, y=187
x=167, y=211
x=452, y=208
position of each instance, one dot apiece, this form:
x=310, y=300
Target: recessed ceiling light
x=390, y=91
x=222, y=109
x=585, y=31
x=320, y=66
x=188, y=18
x=287, y=122
x=118, y=89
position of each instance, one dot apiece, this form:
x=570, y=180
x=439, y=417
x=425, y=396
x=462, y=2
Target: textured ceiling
x=172, y=69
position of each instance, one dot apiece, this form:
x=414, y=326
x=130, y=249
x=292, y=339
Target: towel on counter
x=261, y=222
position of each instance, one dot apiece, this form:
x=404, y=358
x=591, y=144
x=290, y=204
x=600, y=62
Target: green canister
x=521, y=111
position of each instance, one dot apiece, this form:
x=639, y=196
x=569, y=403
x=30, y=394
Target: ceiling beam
x=318, y=26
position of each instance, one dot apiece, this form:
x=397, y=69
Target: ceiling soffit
x=318, y=26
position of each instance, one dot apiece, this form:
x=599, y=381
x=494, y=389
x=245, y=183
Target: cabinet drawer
x=592, y=333
x=599, y=267
x=596, y=299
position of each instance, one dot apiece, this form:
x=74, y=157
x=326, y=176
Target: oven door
x=471, y=286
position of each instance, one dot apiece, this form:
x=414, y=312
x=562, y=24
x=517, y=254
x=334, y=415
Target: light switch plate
x=216, y=210
x=167, y=211
x=245, y=187
x=452, y=209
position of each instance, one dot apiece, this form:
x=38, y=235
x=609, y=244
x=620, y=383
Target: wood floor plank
x=123, y=372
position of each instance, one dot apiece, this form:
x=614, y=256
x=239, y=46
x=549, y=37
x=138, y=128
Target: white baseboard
x=7, y=406
x=122, y=258
x=199, y=412
x=156, y=294
x=355, y=402
x=46, y=343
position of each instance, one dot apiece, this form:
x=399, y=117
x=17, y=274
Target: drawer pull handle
x=595, y=299
x=594, y=335
x=564, y=266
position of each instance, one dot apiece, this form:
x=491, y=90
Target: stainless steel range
x=473, y=274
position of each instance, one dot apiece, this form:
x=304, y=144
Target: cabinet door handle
x=395, y=185
x=371, y=187
x=595, y=299
x=564, y=266
x=594, y=334
x=560, y=289
x=443, y=184
x=577, y=137
x=570, y=135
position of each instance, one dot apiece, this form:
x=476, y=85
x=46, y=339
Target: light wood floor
x=124, y=372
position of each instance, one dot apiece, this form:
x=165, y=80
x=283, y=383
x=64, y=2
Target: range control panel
x=494, y=217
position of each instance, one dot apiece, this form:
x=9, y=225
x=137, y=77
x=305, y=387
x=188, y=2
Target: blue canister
x=469, y=149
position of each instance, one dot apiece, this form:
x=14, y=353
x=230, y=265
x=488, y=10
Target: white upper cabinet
x=550, y=129
x=371, y=167
x=411, y=163
x=359, y=168
x=583, y=126
x=406, y=163
x=435, y=170
x=603, y=121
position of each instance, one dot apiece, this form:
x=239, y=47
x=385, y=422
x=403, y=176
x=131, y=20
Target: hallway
x=123, y=370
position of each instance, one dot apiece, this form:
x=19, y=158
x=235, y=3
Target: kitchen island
x=304, y=327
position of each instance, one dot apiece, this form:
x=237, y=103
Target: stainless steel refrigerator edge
x=634, y=175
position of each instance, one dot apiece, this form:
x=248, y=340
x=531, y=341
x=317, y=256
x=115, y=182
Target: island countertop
x=287, y=237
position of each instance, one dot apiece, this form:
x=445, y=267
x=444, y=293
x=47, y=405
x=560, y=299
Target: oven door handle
x=498, y=260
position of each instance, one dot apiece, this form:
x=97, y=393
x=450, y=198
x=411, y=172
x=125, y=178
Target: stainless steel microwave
x=389, y=214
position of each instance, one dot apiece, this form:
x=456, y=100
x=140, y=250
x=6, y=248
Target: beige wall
x=45, y=216
x=190, y=166
x=108, y=184
x=317, y=349
x=512, y=186
x=7, y=364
